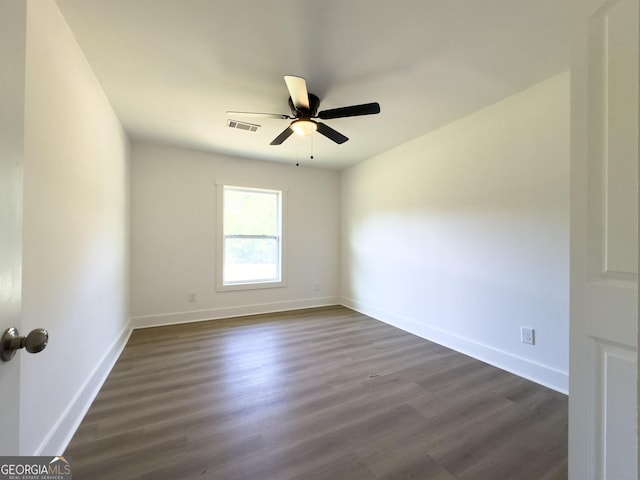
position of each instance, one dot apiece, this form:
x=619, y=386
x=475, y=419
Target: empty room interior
x=437, y=280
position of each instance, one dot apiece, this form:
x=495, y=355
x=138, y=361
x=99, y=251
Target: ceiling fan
x=304, y=108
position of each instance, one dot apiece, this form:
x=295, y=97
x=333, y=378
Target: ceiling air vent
x=251, y=127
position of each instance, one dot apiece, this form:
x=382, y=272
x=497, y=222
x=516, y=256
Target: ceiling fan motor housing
x=314, y=103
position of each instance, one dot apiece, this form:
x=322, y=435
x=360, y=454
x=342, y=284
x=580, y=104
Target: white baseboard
x=229, y=312
x=536, y=372
x=57, y=440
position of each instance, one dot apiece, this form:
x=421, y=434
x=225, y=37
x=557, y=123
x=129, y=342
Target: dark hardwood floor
x=314, y=394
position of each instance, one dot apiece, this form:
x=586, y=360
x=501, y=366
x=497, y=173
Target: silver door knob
x=11, y=341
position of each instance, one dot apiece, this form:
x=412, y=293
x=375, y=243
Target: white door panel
x=604, y=244
x=12, y=51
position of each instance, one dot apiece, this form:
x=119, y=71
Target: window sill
x=233, y=287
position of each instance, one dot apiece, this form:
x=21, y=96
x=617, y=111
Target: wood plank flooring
x=314, y=394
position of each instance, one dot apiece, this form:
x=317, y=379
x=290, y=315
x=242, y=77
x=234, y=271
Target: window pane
x=251, y=259
x=251, y=236
x=250, y=212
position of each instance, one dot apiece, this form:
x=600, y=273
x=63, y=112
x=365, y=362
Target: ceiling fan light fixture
x=304, y=126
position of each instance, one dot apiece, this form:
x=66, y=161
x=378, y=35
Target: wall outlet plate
x=528, y=335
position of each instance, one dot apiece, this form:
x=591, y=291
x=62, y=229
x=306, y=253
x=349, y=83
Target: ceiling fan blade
x=286, y=133
x=297, y=87
x=330, y=133
x=352, y=111
x=262, y=115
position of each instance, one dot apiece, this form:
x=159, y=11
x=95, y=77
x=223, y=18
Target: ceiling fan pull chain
x=311, y=156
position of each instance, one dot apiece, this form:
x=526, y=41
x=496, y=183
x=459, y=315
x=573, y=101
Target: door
x=604, y=231
x=12, y=59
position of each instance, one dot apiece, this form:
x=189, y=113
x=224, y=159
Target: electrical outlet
x=316, y=287
x=191, y=297
x=528, y=335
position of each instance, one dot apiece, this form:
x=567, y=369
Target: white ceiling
x=172, y=68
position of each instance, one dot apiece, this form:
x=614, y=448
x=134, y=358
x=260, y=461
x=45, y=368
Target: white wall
x=75, y=253
x=173, y=219
x=461, y=236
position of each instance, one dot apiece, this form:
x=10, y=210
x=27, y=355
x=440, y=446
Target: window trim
x=220, y=237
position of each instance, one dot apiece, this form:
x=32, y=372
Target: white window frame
x=221, y=286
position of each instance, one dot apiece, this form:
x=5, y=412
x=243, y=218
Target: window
x=250, y=250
